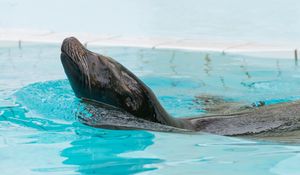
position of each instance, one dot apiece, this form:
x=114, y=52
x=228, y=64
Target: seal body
x=273, y=120
x=101, y=81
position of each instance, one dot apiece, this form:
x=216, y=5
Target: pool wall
x=270, y=27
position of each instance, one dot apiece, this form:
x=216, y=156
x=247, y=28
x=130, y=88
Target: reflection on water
x=278, y=69
x=93, y=151
x=99, y=153
x=244, y=69
x=207, y=65
x=172, y=64
x=89, y=150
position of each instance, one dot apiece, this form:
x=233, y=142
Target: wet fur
x=101, y=79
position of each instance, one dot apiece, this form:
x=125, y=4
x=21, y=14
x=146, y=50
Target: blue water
x=39, y=133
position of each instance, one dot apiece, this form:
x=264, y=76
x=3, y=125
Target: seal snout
x=72, y=47
x=67, y=43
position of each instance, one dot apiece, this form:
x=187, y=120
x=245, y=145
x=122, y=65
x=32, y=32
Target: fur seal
x=104, y=84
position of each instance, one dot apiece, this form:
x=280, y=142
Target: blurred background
x=269, y=21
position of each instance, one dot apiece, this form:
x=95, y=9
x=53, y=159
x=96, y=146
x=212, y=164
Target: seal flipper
x=218, y=105
x=101, y=115
x=236, y=124
x=273, y=120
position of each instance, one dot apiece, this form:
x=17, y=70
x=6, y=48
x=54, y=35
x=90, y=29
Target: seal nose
x=68, y=42
x=72, y=47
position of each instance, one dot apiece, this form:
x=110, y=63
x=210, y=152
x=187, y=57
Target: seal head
x=102, y=79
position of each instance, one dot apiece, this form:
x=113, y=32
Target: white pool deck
x=269, y=28
x=277, y=50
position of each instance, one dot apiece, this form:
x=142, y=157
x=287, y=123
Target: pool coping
x=278, y=50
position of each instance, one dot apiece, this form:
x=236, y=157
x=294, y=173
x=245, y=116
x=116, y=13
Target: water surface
x=40, y=135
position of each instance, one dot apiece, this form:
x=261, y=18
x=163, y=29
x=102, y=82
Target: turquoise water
x=40, y=135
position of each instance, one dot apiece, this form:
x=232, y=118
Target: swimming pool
x=39, y=134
